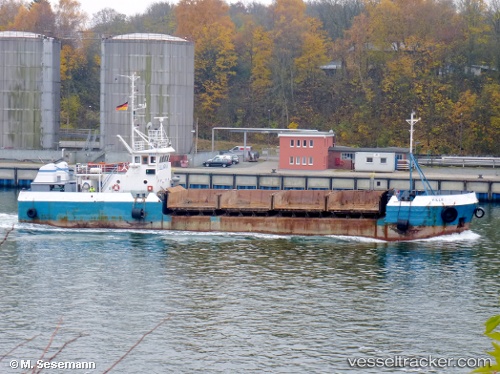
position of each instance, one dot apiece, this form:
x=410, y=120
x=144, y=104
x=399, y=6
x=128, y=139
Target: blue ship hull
x=428, y=216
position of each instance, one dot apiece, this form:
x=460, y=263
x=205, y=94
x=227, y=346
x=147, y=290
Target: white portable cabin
x=375, y=161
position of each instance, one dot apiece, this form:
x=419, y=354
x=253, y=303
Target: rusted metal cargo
x=193, y=200
x=247, y=200
x=277, y=225
x=300, y=200
x=356, y=201
x=275, y=203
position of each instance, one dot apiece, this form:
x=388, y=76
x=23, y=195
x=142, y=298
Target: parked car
x=218, y=161
x=234, y=157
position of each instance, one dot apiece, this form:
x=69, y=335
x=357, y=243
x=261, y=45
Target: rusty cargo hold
x=297, y=212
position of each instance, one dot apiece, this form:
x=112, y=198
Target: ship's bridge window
x=150, y=171
x=152, y=160
x=144, y=160
x=137, y=159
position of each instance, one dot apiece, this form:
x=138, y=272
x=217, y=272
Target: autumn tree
x=357, y=121
x=79, y=67
x=244, y=102
x=109, y=22
x=159, y=18
x=70, y=21
x=486, y=132
x=397, y=50
x=38, y=18
x=310, y=76
x=476, y=31
x=493, y=17
x=463, y=120
x=261, y=73
x=336, y=16
x=299, y=49
x=207, y=23
x=287, y=34
x=8, y=11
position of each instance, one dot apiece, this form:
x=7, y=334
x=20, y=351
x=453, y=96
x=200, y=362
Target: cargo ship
x=140, y=194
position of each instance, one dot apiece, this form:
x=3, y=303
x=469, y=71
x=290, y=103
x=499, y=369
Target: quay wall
x=486, y=189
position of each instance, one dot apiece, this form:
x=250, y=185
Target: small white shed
x=375, y=161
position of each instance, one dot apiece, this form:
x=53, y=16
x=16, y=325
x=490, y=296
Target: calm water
x=243, y=303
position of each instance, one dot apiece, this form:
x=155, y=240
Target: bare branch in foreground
x=7, y=235
x=60, y=349
x=50, y=343
x=135, y=345
x=17, y=346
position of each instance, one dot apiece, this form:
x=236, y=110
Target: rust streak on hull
x=362, y=227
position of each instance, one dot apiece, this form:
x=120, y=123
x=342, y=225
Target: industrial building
x=386, y=159
x=165, y=65
x=29, y=91
x=301, y=150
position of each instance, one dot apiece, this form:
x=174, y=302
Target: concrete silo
x=29, y=90
x=165, y=65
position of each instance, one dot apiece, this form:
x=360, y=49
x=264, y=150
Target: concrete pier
x=17, y=175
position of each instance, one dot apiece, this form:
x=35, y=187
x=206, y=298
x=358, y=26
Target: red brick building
x=305, y=150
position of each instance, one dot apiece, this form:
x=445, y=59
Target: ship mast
x=412, y=121
x=413, y=162
x=132, y=79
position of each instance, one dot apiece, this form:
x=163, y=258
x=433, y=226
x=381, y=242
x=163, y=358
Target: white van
x=247, y=153
x=239, y=149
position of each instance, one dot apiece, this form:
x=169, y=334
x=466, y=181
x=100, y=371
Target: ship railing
x=152, y=144
x=451, y=192
x=463, y=161
x=140, y=145
x=87, y=169
x=160, y=144
x=155, y=134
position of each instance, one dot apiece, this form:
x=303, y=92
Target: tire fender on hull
x=31, y=213
x=449, y=214
x=479, y=212
x=403, y=225
x=138, y=213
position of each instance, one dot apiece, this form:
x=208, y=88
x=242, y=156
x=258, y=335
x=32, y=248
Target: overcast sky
x=126, y=7
x=131, y=7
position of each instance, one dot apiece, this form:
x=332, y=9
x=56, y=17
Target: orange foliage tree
x=207, y=23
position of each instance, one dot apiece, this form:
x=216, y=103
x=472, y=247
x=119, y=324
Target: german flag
x=123, y=106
